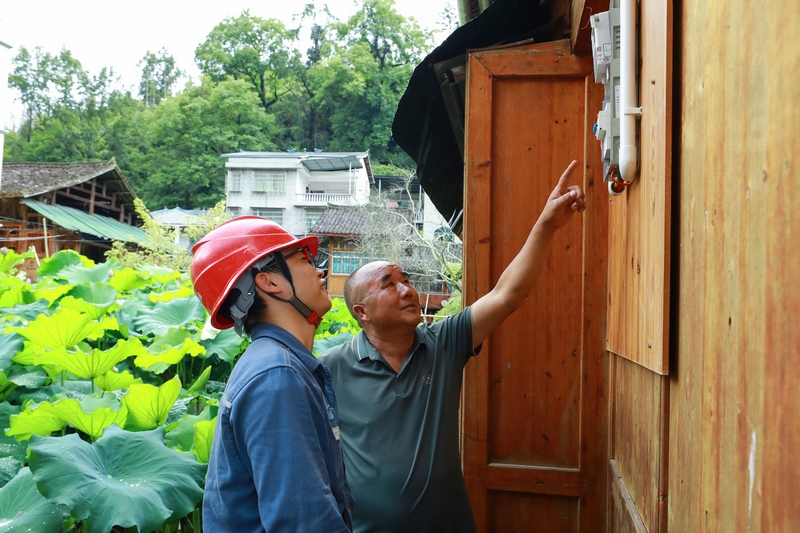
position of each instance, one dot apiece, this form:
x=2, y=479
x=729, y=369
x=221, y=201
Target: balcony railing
x=325, y=198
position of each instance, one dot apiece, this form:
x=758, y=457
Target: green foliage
x=260, y=93
x=105, y=347
x=336, y=327
x=125, y=479
x=452, y=307
x=159, y=75
x=252, y=49
x=23, y=508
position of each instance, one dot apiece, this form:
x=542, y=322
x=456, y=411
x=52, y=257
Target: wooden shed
x=77, y=206
x=649, y=383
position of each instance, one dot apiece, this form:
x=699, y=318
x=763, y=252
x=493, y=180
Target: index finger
x=567, y=173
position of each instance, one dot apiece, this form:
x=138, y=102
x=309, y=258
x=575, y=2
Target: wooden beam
x=91, y=199
x=581, y=30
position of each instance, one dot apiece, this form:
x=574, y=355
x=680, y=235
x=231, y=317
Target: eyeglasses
x=307, y=251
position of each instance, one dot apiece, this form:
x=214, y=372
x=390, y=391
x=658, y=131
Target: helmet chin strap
x=246, y=285
x=311, y=316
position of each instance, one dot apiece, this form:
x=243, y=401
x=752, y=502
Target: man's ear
x=361, y=313
x=268, y=282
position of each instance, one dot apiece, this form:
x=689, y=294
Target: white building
x=294, y=189
x=177, y=218
x=5, y=97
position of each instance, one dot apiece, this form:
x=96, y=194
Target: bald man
x=398, y=385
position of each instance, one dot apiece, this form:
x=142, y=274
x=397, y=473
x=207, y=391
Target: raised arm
x=518, y=278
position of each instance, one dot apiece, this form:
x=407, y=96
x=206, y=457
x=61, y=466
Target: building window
x=235, y=181
x=274, y=182
x=275, y=215
x=235, y=211
x=312, y=216
x=346, y=258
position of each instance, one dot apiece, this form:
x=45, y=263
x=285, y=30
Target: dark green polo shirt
x=399, y=431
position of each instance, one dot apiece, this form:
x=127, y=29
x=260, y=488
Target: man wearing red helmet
x=399, y=385
x=276, y=461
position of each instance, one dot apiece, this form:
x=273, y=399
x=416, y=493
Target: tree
x=359, y=86
x=67, y=111
x=252, y=49
x=187, y=135
x=391, y=233
x=159, y=75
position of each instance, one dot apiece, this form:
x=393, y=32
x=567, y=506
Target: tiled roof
x=30, y=179
x=341, y=221
x=350, y=221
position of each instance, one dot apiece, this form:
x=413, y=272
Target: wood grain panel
x=639, y=241
x=535, y=124
x=639, y=403
x=626, y=517
x=528, y=513
x=735, y=416
x=477, y=278
x=534, y=385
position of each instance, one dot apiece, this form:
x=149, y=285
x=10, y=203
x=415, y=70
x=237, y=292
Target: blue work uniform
x=276, y=461
x=400, y=430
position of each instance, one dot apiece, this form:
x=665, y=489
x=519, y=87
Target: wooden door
x=534, y=437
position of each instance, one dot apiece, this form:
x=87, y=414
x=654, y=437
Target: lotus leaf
x=23, y=508
x=94, y=364
x=182, y=292
x=203, y=438
x=200, y=383
x=126, y=280
x=148, y=405
x=123, y=479
x=168, y=315
x=9, y=259
x=26, y=312
x=159, y=362
x=227, y=345
x=35, y=420
x=180, y=434
x=64, y=329
x=326, y=343
x=29, y=377
x=94, y=299
x=13, y=454
x=9, y=346
x=79, y=273
x=112, y=380
x=14, y=296
x=53, y=264
x=160, y=274
x=51, y=291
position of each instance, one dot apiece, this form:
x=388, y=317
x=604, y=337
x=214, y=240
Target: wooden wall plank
x=477, y=240
x=639, y=400
x=639, y=241
x=735, y=418
x=512, y=512
x=541, y=428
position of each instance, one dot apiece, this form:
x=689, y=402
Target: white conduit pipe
x=628, y=160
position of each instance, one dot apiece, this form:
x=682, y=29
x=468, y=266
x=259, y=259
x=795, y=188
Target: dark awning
x=424, y=126
x=331, y=163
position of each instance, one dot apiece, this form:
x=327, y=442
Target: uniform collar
x=365, y=350
x=271, y=331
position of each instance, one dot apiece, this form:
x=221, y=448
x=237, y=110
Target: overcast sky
x=108, y=33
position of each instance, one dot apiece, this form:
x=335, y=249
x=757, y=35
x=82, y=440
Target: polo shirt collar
x=365, y=350
x=282, y=336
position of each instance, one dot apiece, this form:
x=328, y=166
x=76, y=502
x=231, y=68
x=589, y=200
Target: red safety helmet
x=226, y=252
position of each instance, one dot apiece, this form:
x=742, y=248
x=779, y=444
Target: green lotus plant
x=110, y=381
